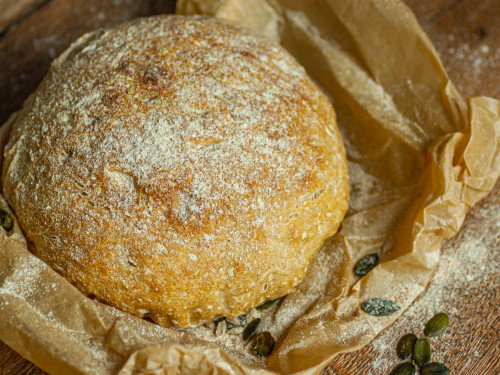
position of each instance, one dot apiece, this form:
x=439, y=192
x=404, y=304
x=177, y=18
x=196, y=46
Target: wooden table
x=466, y=34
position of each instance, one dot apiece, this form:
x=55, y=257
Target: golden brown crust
x=177, y=168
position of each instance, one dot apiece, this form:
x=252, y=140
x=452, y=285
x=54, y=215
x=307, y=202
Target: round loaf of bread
x=177, y=168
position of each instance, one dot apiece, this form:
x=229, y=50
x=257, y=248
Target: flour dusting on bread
x=177, y=168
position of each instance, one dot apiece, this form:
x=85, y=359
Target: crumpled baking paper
x=419, y=157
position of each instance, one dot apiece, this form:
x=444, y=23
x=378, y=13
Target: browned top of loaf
x=177, y=168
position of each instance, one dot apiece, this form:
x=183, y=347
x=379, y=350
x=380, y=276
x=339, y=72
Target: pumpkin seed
x=380, y=307
x=5, y=220
x=366, y=264
x=405, y=346
x=437, y=325
x=263, y=344
x=268, y=304
x=422, y=351
x=251, y=329
x=435, y=368
x=407, y=368
x=239, y=321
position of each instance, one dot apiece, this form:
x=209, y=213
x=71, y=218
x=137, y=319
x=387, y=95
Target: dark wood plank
x=14, y=11
x=34, y=33
x=467, y=37
x=466, y=34
x=470, y=296
x=12, y=363
x=427, y=11
x=29, y=46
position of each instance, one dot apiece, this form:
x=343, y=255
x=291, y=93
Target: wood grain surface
x=466, y=34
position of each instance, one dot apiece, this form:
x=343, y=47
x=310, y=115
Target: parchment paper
x=419, y=156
